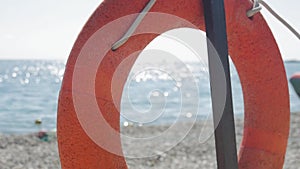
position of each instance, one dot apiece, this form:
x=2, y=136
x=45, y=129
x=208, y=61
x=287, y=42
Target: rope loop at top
x=256, y=8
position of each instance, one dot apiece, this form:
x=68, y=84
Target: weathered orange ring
x=253, y=50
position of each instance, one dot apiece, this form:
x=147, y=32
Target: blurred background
x=36, y=38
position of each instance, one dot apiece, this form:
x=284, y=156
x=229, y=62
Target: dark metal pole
x=225, y=140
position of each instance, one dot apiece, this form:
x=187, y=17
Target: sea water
x=29, y=91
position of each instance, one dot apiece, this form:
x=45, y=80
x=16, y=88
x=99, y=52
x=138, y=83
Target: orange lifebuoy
x=252, y=48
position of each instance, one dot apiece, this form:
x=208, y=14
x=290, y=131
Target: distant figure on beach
x=295, y=80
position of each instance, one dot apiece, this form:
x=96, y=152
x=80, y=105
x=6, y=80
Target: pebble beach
x=29, y=152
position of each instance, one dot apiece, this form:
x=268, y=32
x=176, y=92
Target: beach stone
x=29, y=152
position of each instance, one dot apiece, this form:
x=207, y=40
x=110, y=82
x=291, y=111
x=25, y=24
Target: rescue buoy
x=252, y=48
x=295, y=81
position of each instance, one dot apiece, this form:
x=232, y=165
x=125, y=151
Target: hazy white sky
x=47, y=29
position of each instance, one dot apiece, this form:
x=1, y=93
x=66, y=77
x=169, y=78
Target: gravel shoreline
x=29, y=152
